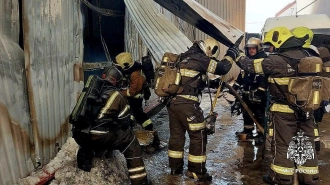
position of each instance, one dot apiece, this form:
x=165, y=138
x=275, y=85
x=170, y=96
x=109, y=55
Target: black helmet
x=113, y=75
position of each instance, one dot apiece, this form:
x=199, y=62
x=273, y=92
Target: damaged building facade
x=45, y=47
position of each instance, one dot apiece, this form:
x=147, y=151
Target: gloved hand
x=236, y=108
x=233, y=52
x=214, y=84
x=210, y=123
x=257, y=95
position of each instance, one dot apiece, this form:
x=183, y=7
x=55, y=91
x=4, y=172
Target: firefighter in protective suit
x=253, y=87
x=184, y=109
x=285, y=120
x=307, y=34
x=109, y=115
x=136, y=80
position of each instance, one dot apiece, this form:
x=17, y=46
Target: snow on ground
x=105, y=171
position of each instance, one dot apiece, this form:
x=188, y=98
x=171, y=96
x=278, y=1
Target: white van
x=318, y=23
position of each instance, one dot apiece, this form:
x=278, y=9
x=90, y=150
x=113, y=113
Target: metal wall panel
x=9, y=19
x=15, y=130
x=232, y=11
x=52, y=46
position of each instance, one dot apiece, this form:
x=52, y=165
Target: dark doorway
x=112, y=31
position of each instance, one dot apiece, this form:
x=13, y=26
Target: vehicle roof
x=314, y=22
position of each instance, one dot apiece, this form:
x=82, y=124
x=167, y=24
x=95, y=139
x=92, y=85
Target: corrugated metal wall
x=232, y=11
x=53, y=45
x=38, y=90
x=15, y=130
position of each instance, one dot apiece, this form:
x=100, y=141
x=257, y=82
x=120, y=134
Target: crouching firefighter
x=101, y=123
x=296, y=90
x=136, y=80
x=184, y=109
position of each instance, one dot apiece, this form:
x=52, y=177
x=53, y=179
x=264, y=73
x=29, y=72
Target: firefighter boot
x=199, y=177
x=84, y=159
x=245, y=134
x=177, y=171
x=143, y=181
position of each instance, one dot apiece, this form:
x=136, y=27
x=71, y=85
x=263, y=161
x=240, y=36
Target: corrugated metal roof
x=156, y=31
x=227, y=10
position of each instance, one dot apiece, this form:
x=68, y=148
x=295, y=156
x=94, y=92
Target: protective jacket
x=251, y=81
x=185, y=113
x=286, y=121
x=134, y=94
x=135, y=79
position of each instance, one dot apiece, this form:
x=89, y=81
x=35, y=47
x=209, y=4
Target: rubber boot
x=84, y=159
x=199, y=177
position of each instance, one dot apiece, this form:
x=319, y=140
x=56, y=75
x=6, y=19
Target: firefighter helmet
x=210, y=47
x=255, y=43
x=303, y=33
x=124, y=60
x=113, y=75
x=277, y=36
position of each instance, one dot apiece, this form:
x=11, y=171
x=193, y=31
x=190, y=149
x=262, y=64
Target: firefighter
x=307, y=35
x=184, y=109
x=132, y=71
x=253, y=90
x=110, y=130
x=286, y=120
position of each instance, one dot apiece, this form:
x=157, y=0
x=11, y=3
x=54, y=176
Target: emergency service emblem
x=300, y=149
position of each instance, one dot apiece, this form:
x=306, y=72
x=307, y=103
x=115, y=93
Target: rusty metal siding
x=232, y=11
x=37, y=90
x=53, y=45
x=15, y=130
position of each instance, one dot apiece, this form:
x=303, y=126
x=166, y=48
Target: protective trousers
x=293, y=149
x=258, y=110
x=138, y=113
x=248, y=122
x=187, y=117
x=125, y=142
x=130, y=147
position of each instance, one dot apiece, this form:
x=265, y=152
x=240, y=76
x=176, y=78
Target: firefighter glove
x=236, y=108
x=257, y=95
x=233, y=52
x=210, y=123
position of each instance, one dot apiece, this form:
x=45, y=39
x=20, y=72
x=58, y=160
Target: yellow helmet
x=303, y=33
x=124, y=60
x=210, y=47
x=255, y=43
x=277, y=36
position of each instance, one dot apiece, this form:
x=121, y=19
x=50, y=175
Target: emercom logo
x=300, y=149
